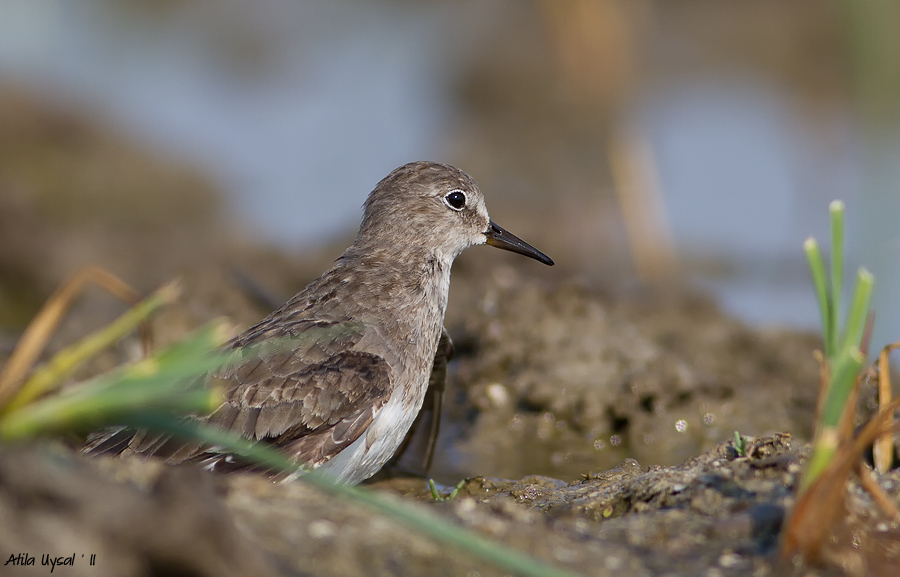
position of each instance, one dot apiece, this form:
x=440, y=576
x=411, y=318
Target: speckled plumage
x=344, y=397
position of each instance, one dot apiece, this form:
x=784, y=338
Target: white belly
x=366, y=455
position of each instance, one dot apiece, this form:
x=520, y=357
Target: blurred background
x=647, y=134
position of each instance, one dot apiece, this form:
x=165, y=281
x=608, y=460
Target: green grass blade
x=48, y=377
x=820, y=284
x=845, y=371
x=65, y=414
x=836, y=210
x=827, y=442
x=172, y=380
x=843, y=376
x=859, y=309
x=417, y=517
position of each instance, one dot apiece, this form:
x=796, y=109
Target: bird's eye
x=455, y=199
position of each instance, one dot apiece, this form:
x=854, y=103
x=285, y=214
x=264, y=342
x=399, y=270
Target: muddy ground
x=613, y=404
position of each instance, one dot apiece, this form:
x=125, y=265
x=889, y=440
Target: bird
x=366, y=337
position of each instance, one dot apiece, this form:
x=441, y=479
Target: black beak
x=506, y=240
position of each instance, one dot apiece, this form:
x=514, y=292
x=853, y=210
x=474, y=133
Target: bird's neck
x=401, y=273
x=410, y=291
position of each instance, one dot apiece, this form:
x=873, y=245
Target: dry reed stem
x=817, y=508
x=38, y=332
x=883, y=448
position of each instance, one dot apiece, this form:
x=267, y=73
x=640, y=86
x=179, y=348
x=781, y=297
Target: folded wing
x=311, y=395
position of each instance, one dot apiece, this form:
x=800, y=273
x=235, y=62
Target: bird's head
x=436, y=207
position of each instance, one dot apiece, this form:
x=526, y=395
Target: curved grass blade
x=49, y=376
x=173, y=380
x=417, y=517
x=820, y=284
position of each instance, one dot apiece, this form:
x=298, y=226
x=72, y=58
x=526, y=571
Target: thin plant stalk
x=836, y=211
x=820, y=284
x=38, y=332
x=417, y=517
x=49, y=376
x=172, y=381
x=859, y=310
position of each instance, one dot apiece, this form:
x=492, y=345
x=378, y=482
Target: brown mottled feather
x=315, y=410
x=313, y=399
x=311, y=409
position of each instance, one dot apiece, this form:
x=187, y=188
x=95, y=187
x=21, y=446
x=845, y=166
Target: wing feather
x=312, y=396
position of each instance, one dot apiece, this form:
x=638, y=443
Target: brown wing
x=310, y=395
x=312, y=410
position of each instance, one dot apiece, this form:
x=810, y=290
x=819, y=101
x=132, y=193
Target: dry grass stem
x=883, y=448
x=39, y=331
x=818, y=507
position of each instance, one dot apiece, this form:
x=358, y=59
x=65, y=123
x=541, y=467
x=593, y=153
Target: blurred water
x=744, y=185
x=297, y=109
x=747, y=175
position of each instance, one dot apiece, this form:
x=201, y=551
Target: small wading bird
x=367, y=336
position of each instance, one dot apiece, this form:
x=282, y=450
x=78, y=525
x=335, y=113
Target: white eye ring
x=455, y=199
